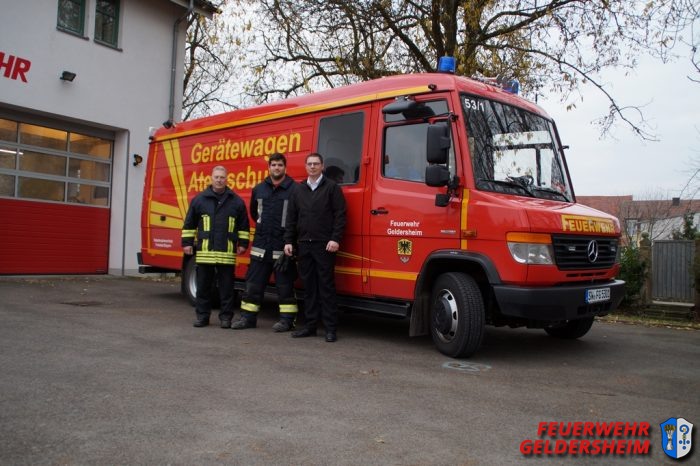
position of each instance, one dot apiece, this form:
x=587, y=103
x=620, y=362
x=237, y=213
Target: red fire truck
x=461, y=211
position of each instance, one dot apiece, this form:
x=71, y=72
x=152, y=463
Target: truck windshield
x=514, y=151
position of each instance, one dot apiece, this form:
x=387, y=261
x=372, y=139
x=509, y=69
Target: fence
x=672, y=276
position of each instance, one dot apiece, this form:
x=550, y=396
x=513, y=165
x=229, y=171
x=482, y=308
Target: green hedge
x=633, y=271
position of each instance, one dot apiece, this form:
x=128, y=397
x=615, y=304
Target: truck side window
x=404, y=152
x=404, y=146
x=340, y=140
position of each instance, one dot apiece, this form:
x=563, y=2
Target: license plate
x=597, y=295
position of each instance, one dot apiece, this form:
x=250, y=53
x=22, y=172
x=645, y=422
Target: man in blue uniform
x=268, y=207
x=217, y=218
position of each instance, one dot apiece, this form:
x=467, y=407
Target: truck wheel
x=457, y=315
x=188, y=285
x=188, y=281
x=572, y=329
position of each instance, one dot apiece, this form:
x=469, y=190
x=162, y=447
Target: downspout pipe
x=126, y=202
x=173, y=60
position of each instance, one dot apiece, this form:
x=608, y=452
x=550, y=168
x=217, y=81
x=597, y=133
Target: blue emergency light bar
x=512, y=86
x=447, y=65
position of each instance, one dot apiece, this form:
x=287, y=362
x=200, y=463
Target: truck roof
x=366, y=91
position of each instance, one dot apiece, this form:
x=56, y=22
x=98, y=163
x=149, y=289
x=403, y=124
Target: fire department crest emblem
x=404, y=247
x=676, y=437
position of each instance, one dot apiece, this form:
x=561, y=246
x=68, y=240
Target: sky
x=622, y=163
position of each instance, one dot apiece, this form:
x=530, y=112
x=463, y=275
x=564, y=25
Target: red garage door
x=47, y=238
x=54, y=199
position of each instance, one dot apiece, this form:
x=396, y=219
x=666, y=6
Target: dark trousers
x=317, y=271
x=206, y=274
x=257, y=278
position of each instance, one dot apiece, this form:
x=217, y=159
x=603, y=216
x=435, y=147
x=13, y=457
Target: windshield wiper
x=526, y=181
x=511, y=183
x=552, y=191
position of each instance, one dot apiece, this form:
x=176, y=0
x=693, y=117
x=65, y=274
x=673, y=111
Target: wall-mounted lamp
x=68, y=76
x=137, y=160
x=168, y=124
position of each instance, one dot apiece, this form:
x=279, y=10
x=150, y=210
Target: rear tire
x=572, y=330
x=188, y=281
x=457, y=315
x=188, y=285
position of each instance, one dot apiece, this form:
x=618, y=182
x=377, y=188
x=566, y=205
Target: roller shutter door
x=55, y=188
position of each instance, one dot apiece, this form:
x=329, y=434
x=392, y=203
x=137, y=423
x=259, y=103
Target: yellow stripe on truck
x=463, y=220
x=168, y=210
x=156, y=220
x=177, y=174
x=411, y=276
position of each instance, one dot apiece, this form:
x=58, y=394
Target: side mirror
x=437, y=175
x=438, y=143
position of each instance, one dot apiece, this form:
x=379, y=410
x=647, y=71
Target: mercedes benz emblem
x=592, y=251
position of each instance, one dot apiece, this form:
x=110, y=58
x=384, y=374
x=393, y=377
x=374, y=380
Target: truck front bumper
x=557, y=303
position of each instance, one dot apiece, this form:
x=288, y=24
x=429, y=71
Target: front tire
x=457, y=315
x=572, y=330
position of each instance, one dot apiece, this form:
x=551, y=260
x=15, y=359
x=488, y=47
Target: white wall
x=125, y=90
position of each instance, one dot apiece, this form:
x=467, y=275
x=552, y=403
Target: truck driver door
x=404, y=222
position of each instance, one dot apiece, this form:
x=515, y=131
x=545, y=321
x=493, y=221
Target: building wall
x=124, y=91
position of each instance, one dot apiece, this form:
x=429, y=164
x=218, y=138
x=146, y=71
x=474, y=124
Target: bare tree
x=214, y=54
x=554, y=45
x=654, y=214
x=694, y=41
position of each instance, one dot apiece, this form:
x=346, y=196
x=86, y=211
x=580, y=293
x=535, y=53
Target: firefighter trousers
x=207, y=275
x=257, y=278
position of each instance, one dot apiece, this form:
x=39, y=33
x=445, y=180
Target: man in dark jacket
x=315, y=223
x=217, y=218
x=269, y=204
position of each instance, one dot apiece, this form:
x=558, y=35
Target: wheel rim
x=445, y=316
x=192, y=282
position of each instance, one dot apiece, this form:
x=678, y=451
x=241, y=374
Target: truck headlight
x=530, y=248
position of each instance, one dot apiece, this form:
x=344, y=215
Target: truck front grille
x=579, y=252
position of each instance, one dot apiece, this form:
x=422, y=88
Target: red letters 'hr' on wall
x=15, y=67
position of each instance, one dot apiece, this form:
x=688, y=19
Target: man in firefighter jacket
x=268, y=207
x=218, y=219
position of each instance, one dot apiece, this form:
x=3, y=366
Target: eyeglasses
x=312, y=164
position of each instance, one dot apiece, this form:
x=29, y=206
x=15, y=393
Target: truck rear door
x=343, y=140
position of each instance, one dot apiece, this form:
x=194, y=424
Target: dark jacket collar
x=285, y=184
x=209, y=192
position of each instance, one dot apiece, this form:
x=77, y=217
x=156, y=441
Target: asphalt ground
x=105, y=370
